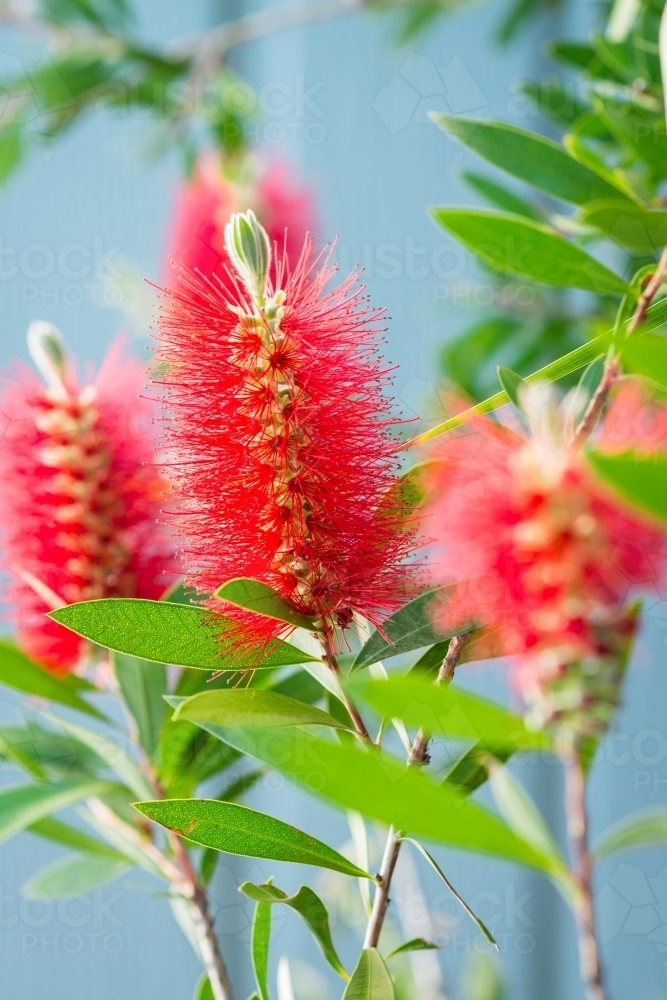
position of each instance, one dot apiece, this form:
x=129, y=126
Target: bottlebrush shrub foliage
x=81, y=493
x=280, y=441
x=218, y=188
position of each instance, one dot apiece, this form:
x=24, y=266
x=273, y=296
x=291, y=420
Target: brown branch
x=210, y=47
x=577, y=828
x=611, y=370
x=353, y=711
x=418, y=756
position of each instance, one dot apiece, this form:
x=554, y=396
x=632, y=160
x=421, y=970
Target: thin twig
x=577, y=828
x=214, y=45
x=611, y=369
x=353, y=711
x=418, y=756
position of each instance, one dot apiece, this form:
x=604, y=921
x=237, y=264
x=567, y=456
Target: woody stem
x=353, y=711
x=577, y=828
x=418, y=756
x=611, y=369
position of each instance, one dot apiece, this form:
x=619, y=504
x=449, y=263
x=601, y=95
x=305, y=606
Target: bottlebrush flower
x=81, y=494
x=205, y=204
x=537, y=546
x=281, y=438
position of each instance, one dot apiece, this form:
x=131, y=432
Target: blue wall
x=349, y=111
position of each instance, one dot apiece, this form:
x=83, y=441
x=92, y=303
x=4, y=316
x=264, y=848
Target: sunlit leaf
x=539, y=161
x=416, y=944
x=370, y=980
x=252, y=708
x=263, y=600
x=513, y=245
x=169, y=633
x=630, y=225
x=310, y=908
x=236, y=829
x=640, y=479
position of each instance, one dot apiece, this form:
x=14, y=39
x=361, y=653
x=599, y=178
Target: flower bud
x=249, y=248
x=47, y=349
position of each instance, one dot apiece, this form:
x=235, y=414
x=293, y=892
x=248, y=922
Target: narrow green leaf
x=382, y=789
x=416, y=944
x=409, y=628
x=640, y=479
x=142, y=684
x=500, y=196
x=21, y=673
x=370, y=980
x=23, y=805
x=310, y=908
x=252, y=708
x=571, y=362
x=512, y=245
x=448, y=710
x=473, y=916
x=646, y=828
x=540, y=162
x=511, y=383
x=11, y=149
x=61, y=833
x=263, y=600
x=261, y=938
x=203, y=989
x=112, y=755
x=646, y=356
x=630, y=225
x=523, y=816
x=237, y=829
x=169, y=633
x=472, y=768
x=429, y=663
x=75, y=873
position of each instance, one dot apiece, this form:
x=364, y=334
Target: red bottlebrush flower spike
x=281, y=438
x=205, y=204
x=81, y=494
x=537, y=546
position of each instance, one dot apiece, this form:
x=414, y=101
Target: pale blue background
x=362, y=139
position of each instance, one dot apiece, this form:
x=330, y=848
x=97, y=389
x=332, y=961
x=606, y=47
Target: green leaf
x=112, y=755
x=646, y=828
x=61, y=833
x=448, y=710
x=416, y=944
x=237, y=829
x=512, y=245
x=472, y=768
x=370, y=980
x=630, y=225
x=203, y=989
x=23, y=805
x=646, y=356
x=261, y=938
x=408, y=628
x=142, y=684
x=540, y=162
x=46, y=754
x=473, y=916
x=640, y=479
x=169, y=633
x=382, y=789
x=253, y=595
x=76, y=873
x=511, y=383
x=11, y=149
x=250, y=707
x=21, y=673
x=309, y=907
x=499, y=196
